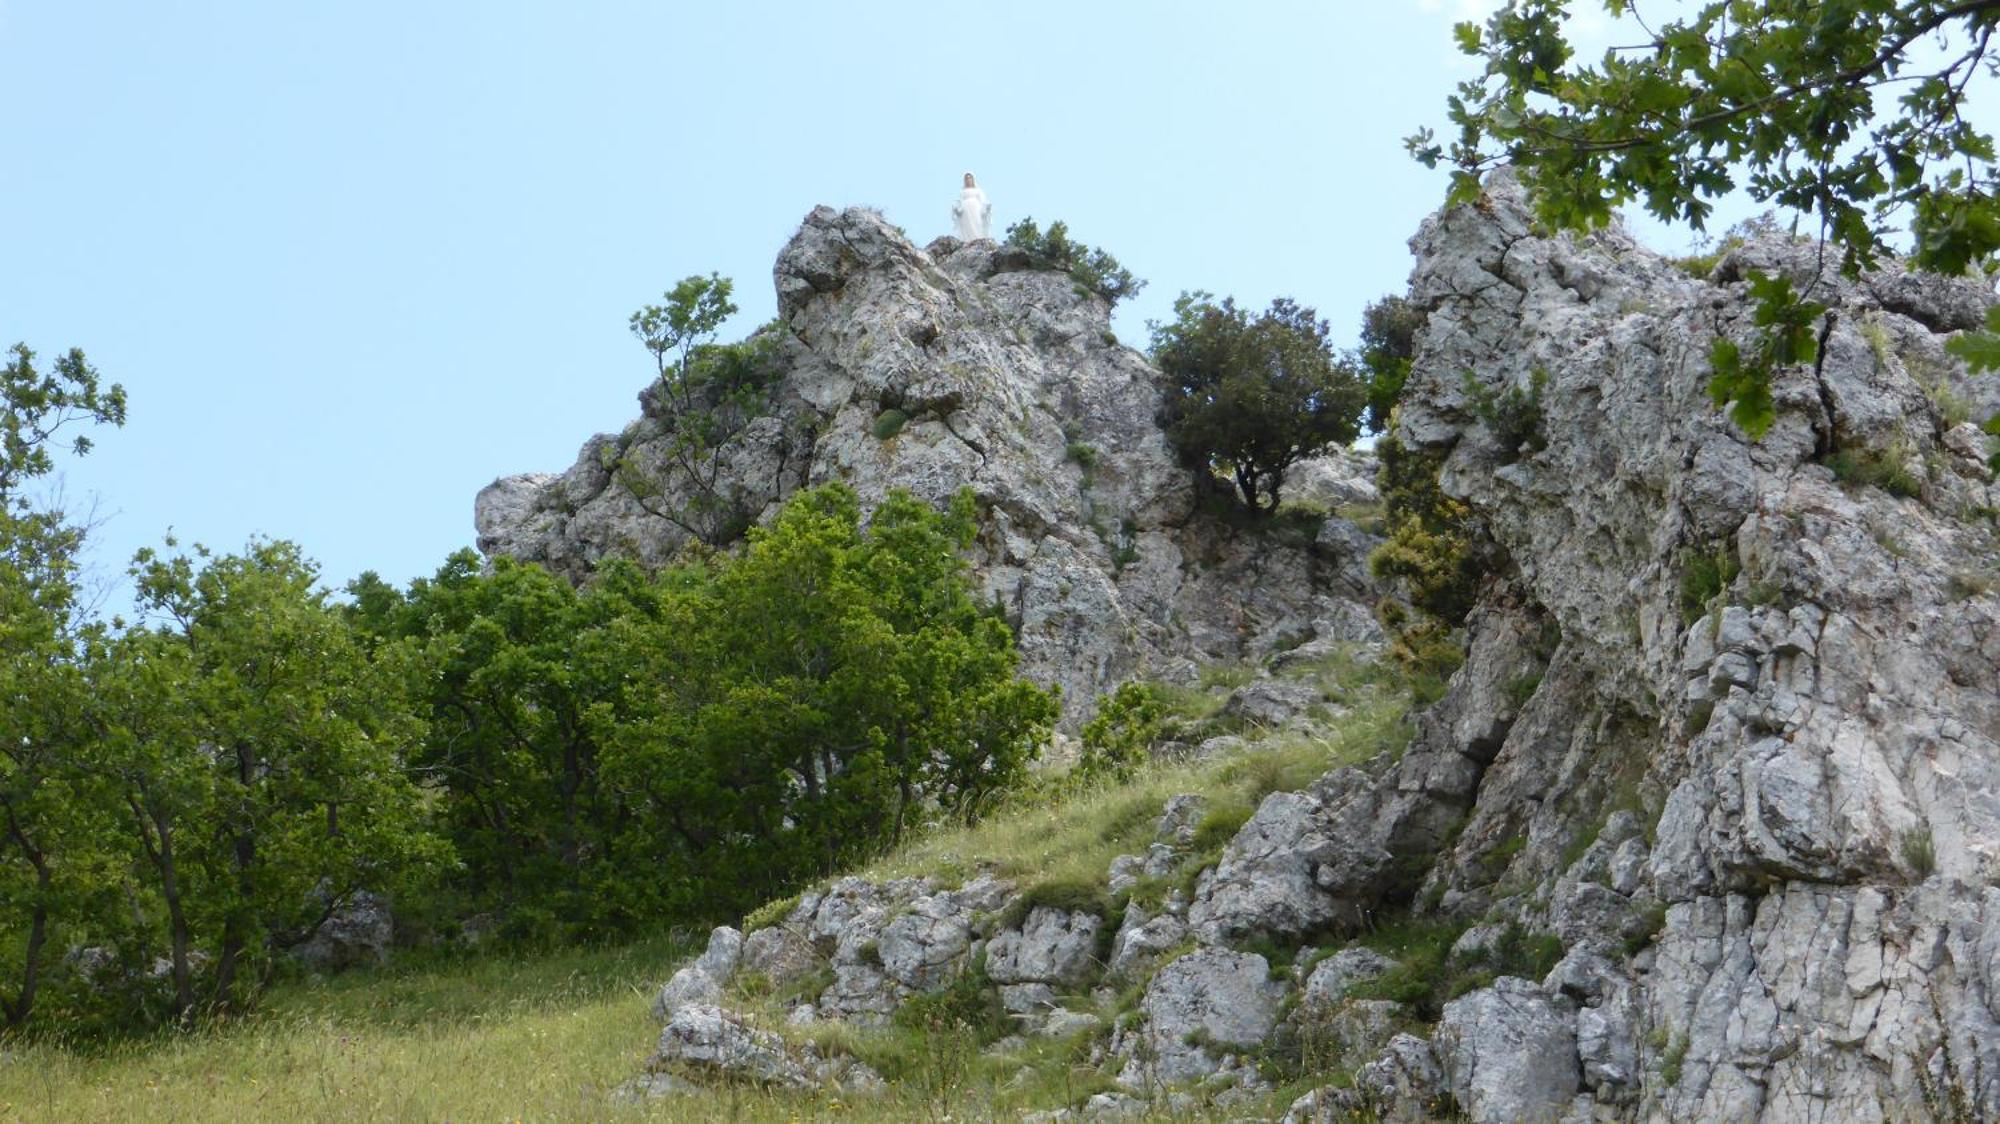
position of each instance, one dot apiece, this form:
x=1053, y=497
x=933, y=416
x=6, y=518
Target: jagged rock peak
x=960, y=365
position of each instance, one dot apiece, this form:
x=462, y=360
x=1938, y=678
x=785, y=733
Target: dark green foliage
x=1704, y=575
x=1082, y=895
x=1118, y=739
x=1388, y=344
x=1433, y=552
x=683, y=746
x=1776, y=99
x=970, y=1004
x=1250, y=396
x=1648, y=925
x=1514, y=415
x=889, y=423
x=259, y=746
x=1431, y=536
x=59, y=844
x=1219, y=826
x=1789, y=336
x=1428, y=975
x=1095, y=272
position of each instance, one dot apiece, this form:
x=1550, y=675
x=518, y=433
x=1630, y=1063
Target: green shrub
x=889, y=423
x=1514, y=415
x=1070, y=895
x=1219, y=826
x=1127, y=725
x=1704, y=575
x=1865, y=468
x=1094, y=271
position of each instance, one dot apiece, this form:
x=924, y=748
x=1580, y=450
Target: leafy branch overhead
x=1742, y=381
x=1852, y=111
x=1821, y=106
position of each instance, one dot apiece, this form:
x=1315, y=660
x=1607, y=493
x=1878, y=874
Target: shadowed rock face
x=1012, y=384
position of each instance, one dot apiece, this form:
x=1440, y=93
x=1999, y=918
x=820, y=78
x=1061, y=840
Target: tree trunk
x=38, y=928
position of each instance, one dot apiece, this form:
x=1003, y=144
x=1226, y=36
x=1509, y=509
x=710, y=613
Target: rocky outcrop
x=1705, y=826
x=958, y=366
x=1763, y=752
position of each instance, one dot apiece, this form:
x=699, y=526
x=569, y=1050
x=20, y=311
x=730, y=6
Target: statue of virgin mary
x=972, y=215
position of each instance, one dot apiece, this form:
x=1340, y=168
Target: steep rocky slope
x=1706, y=827
x=961, y=366
x=1804, y=773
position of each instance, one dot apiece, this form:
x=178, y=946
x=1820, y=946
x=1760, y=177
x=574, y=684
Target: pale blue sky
x=354, y=260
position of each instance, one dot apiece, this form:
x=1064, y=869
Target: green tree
x=1252, y=395
x=259, y=749
x=1095, y=272
x=516, y=667
x=836, y=680
x=703, y=396
x=1388, y=345
x=682, y=745
x=56, y=831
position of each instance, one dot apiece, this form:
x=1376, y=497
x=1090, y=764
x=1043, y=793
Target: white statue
x=972, y=215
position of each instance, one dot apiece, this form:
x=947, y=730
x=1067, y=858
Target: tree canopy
x=1250, y=395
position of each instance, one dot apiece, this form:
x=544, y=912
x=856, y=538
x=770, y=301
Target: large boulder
x=1509, y=1054
x=702, y=982
x=1198, y=1010
x=357, y=933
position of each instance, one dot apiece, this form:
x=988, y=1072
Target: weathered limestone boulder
x=356, y=934
x=1198, y=1010
x=1142, y=939
x=1508, y=1053
x=1272, y=702
x=1332, y=977
x=702, y=981
x=709, y=1043
x=1053, y=949
x=1267, y=880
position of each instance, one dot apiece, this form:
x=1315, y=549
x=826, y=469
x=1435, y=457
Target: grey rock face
x=1141, y=940
x=1272, y=702
x=712, y=1043
x=357, y=934
x=781, y=954
x=1013, y=385
x=1509, y=1054
x=1051, y=947
x=1196, y=1009
x=1809, y=744
x=1267, y=881
x=702, y=981
x=1332, y=977
x=707, y=1038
